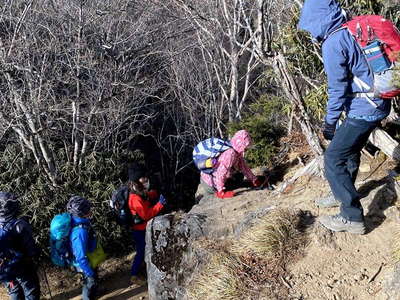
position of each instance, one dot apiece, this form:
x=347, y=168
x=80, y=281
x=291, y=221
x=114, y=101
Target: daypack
x=379, y=40
x=206, y=152
x=97, y=256
x=10, y=259
x=60, y=248
x=119, y=204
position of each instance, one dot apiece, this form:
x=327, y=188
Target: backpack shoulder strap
x=86, y=227
x=83, y=226
x=9, y=226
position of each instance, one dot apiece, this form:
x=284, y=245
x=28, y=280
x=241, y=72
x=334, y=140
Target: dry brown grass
x=241, y=269
x=276, y=235
x=219, y=279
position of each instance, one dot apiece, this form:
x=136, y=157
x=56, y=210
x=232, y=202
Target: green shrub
x=96, y=179
x=263, y=123
x=315, y=102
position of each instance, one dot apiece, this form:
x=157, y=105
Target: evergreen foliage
x=40, y=201
x=264, y=123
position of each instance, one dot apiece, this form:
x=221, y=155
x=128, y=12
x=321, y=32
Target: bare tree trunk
x=382, y=140
x=293, y=94
x=34, y=140
x=75, y=103
x=233, y=93
x=313, y=168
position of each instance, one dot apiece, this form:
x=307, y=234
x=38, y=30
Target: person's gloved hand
x=329, y=131
x=257, y=183
x=11, y=284
x=225, y=194
x=162, y=200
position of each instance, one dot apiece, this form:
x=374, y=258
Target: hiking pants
x=342, y=160
x=140, y=244
x=89, y=288
x=25, y=286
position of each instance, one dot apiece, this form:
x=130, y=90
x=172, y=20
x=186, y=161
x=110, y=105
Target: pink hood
x=241, y=141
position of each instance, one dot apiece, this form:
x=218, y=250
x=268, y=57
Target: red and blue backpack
x=379, y=40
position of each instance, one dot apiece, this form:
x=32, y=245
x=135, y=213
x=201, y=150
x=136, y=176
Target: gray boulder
x=171, y=258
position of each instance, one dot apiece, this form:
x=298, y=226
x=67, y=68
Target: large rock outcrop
x=171, y=258
x=173, y=241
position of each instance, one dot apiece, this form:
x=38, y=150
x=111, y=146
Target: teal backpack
x=60, y=249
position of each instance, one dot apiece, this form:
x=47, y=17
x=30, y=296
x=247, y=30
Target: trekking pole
x=47, y=283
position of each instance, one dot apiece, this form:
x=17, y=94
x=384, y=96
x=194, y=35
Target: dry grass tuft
x=275, y=236
x=219, y=279
x=241, y=269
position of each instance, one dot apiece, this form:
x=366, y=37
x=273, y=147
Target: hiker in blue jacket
x=83, y=241
x=17, y=252
x=349, y=78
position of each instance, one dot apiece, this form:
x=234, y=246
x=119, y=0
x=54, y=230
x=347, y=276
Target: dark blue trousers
x=25, y=286
x=140, y=244
x=342, y=160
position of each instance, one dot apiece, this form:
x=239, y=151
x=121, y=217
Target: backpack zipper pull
x=358, y=32
x=370, y=33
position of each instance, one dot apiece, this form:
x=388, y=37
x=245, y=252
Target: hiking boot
x=138, y=280
x=338, y=223
x=327, y=201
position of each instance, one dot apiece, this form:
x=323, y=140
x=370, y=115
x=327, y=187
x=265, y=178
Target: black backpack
x=119, y=204
x=10, y=259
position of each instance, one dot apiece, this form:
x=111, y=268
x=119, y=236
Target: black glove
x=329, y=131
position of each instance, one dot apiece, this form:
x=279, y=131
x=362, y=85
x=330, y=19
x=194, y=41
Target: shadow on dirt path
x=113, y=287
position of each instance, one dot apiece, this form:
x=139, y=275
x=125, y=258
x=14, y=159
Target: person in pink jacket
x=228, y=162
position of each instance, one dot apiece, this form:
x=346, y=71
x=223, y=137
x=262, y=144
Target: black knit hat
x=79, y=206
x=136, y=171
x=9, y=204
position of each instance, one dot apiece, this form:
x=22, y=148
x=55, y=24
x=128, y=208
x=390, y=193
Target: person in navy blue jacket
x=349, y=78
x=83, y=241
x=23, y=281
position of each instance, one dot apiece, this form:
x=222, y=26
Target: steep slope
x=346, y=266
x=335, y=265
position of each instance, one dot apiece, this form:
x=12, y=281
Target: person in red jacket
x=140, y=204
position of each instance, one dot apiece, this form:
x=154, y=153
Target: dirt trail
x=342, y=265
x=113, y=284
x=113, y=287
